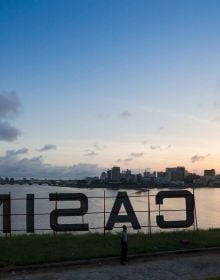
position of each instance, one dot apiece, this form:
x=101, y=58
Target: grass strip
x=36, y=249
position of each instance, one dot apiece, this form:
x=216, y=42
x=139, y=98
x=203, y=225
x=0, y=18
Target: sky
x=87, y=85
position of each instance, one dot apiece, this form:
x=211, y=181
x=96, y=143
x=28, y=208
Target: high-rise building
x=109, y=175
x=209, y=177
x=162, y=178
x=147, y=174
x=126, y=175
x=115, y=174
x=176, y=173
x=149, y=177
x=209, y=172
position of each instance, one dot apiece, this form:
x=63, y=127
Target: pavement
x=184, y=266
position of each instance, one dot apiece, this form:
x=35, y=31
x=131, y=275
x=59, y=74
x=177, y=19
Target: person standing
x=124, y=245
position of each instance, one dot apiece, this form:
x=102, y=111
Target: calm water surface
x=207, y=207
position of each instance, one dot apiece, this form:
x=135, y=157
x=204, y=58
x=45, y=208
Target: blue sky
x=105, y=80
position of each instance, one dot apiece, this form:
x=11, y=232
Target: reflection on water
x=207, y=207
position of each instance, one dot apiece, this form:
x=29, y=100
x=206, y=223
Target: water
x=207, y=207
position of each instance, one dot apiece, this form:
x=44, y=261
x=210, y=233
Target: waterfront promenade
x=187, y=266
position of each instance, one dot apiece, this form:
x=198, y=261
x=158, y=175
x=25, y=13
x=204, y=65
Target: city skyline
x=92, y=84
x=171, y=177
x=13, y=167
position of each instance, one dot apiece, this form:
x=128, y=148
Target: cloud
x=9, y=109
x=100, y=115
x=12, y=153
x=161, y=148
x=137, y=154
x=118, y=160
x=128, y=159
x=47, y=147
x=90, y=153
x=196, y=158
x=8, y=132
x=125, y=114
x=98, y=146
x=13, y=166
x=155, y=147
x=166, y=147
x=145, y=142
x=9, y=105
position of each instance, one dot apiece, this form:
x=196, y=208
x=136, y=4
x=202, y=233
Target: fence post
x=104, y=212
x=195, y=214
x=7, y=210
x=54, y=232
x=149, y=214
x=30, y=213
x=6, y=234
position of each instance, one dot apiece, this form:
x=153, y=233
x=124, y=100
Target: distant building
x=149, y=178
x=103, y=177
x=115, y=174
x=176, y=174
x=126, y=175
x=191, y=178
x=109, y=175
x=138, y=178
x=162, y=178
x=146, y=174
x=200, y=182
x=209, y=172
x=209, y=177
x=217, y=181
x=91, y=180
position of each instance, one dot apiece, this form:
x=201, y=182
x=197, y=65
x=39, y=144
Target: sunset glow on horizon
x=96, y=84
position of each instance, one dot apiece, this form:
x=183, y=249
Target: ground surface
x=188, y=266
